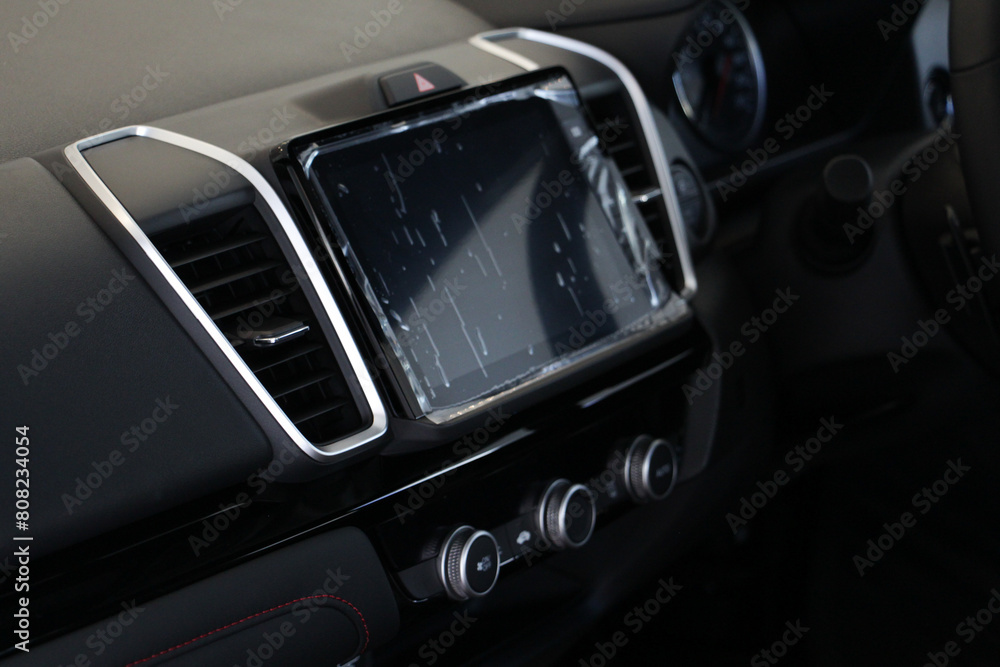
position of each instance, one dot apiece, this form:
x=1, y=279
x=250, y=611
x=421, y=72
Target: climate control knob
x=650, y=469
x=567, y=514
x=469, y=563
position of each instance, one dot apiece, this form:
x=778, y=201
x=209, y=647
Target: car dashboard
x=327, y=361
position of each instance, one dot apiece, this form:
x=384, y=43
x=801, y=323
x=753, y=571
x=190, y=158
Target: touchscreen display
x=493, y=239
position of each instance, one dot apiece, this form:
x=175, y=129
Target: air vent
x=235, y=269
x=623, y=141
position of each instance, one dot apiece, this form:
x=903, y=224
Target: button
x=403, y=87
x=567, y=514
x=650, y=469
x=469, y=563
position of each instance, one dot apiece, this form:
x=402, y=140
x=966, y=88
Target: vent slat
x=620, y=146
x=188, y=256
x=271, y=295
x=623, y=141
x=232, y=277
x=317, y=411
x=285, y=356
x=243, y=284
x=300, y=383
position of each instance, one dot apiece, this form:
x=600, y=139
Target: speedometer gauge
x=719, y=78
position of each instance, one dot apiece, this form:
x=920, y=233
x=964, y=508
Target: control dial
x=469, y=563
x=567, y=514
x=650, y=469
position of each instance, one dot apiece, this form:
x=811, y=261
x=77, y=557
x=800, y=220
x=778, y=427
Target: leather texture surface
x=126, y=416
x=81, y=68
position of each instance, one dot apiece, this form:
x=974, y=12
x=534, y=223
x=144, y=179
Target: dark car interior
x=469, y=332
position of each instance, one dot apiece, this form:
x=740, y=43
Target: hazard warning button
x=410, y=84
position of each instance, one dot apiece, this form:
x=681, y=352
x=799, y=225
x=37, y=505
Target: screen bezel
x=316, y=209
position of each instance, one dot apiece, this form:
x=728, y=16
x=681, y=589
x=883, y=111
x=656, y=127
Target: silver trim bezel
x=564, y=490
x=312, y=282
x=564, y=513
x=756, y=61
x=646, y=471
x=541, y=519
x=487, y=42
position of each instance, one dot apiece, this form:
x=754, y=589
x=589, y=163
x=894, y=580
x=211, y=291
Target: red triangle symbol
x=423, y=85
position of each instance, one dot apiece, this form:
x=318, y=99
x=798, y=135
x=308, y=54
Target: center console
x=452, y=291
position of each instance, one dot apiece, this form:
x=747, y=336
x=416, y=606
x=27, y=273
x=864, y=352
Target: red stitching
x=260, y=613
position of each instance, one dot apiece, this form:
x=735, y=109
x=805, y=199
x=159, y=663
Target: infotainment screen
x=493, y=239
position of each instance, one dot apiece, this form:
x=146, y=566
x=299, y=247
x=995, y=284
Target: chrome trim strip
x=487, y=42
x=642, y=109
x=283, y=337
x=511, y=438
x=596, y=398
x=647, y=196
x=313, y=280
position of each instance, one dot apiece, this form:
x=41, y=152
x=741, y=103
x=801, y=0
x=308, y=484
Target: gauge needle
x=727, y=69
